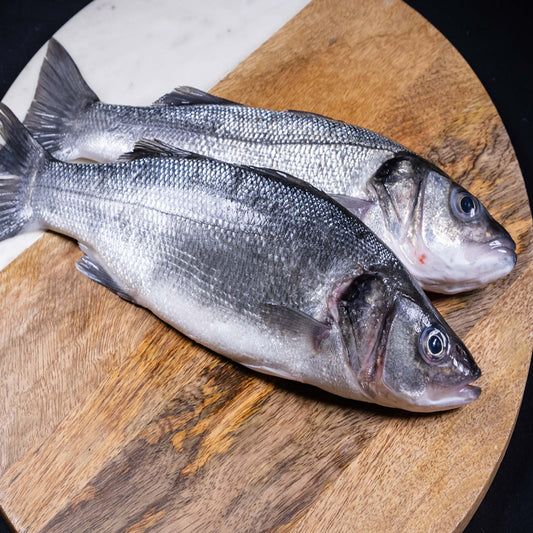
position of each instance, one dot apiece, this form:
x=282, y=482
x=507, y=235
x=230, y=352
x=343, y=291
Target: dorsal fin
x=191, y=96
x=273, y=173
x=155, y=148
x=311, y=114
x=293, y=180
x=289, y=178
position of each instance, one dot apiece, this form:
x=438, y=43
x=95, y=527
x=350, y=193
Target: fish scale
x=305, y=145
x=252, y=263
x=181, y=206
x=410, y=204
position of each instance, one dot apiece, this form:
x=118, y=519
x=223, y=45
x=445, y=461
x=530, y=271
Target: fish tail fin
x=21, y=156
x=62, y=95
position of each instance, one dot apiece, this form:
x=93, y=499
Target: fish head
x=424, y=363
x=401, y=350
x=441, y=232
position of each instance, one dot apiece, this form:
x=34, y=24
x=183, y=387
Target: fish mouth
x=442, y=398
x=501, y=240
x=471, y=268
x=491, y=261
x=469, y=393
x=505, y=245
x=462, y=394
x=465, y=391
x=446, y=400
x=505, y=250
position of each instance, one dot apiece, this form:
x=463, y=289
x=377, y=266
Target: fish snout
x=467, y=372
x=503, y=249
x=504, y=244
x=465, y=362
x=499, y=239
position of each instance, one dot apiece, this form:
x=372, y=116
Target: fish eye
x=464, y=205
x=467, y=205
x=433, y=345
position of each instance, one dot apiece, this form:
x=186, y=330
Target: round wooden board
x=114, y=421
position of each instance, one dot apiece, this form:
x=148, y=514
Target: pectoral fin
x=297, y=323
x=357, y=206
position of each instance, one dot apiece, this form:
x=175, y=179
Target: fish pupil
x=467, y=205
x=435, y=344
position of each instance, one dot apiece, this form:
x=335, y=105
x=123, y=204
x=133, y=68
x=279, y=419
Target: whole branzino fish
x=255, y=264
x=442, y=234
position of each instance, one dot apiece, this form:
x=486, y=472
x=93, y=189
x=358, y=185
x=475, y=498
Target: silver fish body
x=255, y=264
x=442, y=234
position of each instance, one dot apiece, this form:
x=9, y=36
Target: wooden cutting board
x=114, y=421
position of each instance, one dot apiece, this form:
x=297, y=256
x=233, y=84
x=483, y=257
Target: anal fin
x=89, y=266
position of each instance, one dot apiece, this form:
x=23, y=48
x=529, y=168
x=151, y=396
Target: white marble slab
x=133, y=51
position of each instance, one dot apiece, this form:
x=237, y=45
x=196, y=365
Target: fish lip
x=448, y=399
x=499, y=259
x=452, y=397
x=505, y=245
x=465, y=392
x=506, y=255
x=469, y=393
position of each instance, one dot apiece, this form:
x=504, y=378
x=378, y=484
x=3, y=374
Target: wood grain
x=113, y=421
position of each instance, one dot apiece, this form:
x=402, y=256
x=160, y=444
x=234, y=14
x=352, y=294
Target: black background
x=494, y=37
